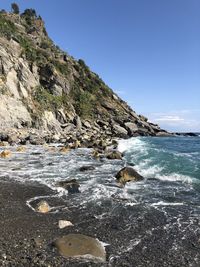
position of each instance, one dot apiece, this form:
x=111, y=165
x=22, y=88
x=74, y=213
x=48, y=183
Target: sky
x=147, y=51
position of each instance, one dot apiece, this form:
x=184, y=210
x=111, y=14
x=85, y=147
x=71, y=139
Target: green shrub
x=15, y=8
x=46, y=100
x=7, y=28
x=61, y=67
x=84, y=103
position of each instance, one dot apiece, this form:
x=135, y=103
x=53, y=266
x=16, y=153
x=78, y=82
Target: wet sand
x=136, y=237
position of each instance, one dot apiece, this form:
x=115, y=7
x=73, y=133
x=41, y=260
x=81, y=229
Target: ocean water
x=170, y=166
x=168, y=158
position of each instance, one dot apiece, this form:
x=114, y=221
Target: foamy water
x=162, y=168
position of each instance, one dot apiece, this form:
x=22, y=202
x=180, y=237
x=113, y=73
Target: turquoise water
x=170, y=158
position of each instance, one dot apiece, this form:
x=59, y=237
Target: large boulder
x=114, y=155
x=131, y=127
x=128, y=174
x=122, y=132
x=78, y=245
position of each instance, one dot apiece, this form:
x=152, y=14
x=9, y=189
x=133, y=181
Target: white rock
x=62, y=224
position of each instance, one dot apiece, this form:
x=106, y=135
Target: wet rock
x=43, y=207
x=95, y=154
x=21, y=149
x=114, y=155
x=62, y=224
x=128, y=174
x=86, y=168
x=64, y=150
x=36, y=140
x=75, y=145
x=5, y=154
x=4, y=143
x=72, y=186
x=78, y=245
x=13, y=138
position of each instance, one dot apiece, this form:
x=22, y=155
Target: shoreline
x=137, y=235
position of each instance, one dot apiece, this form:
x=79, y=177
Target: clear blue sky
x=147, y=51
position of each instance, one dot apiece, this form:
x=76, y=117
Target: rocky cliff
x=43, y=89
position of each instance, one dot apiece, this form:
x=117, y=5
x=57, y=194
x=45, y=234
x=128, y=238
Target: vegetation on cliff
x=60, y=84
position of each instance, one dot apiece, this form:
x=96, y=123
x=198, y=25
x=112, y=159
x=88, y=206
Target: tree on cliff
x=15, y=8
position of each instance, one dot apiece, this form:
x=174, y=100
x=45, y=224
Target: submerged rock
x=72, y=186
x=86, y=168
x=43, y=207
x=114, y=155
x=5, y=154
x=128, y=174
x=78, y=245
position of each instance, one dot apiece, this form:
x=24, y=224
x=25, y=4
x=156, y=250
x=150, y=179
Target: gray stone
x=131, y=127
x=120, y=130
x=77, y=245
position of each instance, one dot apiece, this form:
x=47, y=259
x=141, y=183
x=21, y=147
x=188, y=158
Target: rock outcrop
x=128, y=174
x=45, y=91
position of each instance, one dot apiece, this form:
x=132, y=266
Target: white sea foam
x=162, y=203
x=132, y=143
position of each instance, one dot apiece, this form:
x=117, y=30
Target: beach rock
x=13, y=138
x=78, y=245
x=21, y=149
x=86, y=168
x=75, y=145
x=72, y=186
x=114, y=155
x=4, y=143
x=5, y=154
x=95, y=154
x=64, y=149
x=128, y=174
x=43, y=207
x=62, y=224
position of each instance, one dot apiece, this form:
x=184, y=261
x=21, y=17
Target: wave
x=162, y=158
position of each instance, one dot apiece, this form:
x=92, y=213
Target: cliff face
x=42, y=87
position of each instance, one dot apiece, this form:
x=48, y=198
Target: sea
x=167, y=200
